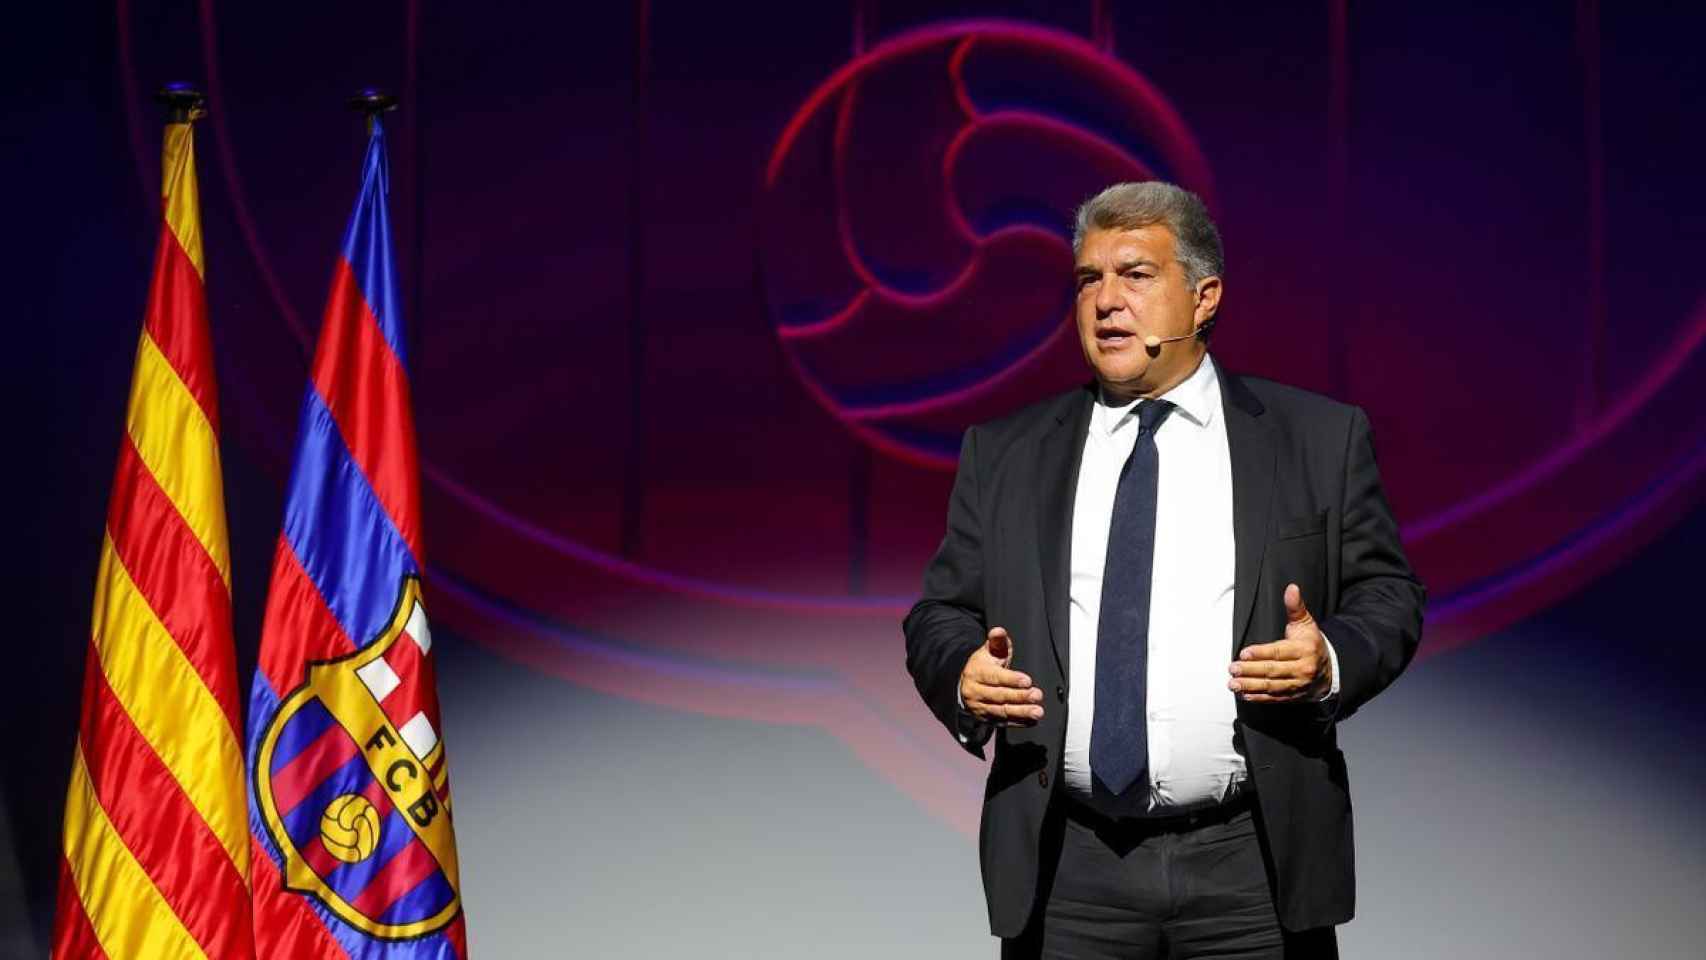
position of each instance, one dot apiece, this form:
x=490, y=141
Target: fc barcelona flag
x=156, y=861
x=350, y=805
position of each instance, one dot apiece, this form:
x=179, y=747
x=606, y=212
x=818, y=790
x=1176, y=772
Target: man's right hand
x=994, y=694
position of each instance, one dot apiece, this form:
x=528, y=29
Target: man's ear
x=1208, y=300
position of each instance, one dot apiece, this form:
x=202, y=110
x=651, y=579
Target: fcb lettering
x=366, y=831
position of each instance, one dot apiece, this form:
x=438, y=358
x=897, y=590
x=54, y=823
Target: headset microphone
x=1152, y=341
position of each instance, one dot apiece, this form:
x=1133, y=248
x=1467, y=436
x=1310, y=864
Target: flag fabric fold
x=350, y=806
x=156, y=854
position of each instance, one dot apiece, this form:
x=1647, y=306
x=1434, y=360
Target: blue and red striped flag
x=350, y=803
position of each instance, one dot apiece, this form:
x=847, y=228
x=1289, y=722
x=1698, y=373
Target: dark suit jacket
x=1307, y=509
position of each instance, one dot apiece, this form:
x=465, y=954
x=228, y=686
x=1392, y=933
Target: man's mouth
x=1114, y=336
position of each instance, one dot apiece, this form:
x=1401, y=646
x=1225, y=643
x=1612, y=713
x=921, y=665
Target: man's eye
x=1136, y=275
x=1085, y=282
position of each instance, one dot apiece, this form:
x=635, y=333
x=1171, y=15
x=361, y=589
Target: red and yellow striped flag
x=156, y=847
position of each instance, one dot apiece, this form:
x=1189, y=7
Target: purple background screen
x=700, y=301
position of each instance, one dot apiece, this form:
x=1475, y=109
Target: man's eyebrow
x=1085, y=269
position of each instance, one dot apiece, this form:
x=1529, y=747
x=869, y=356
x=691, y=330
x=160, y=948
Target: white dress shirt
x=1192, y=761
x=1191, y=712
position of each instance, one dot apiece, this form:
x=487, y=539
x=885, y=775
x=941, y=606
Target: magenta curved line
x=956, y=77
x=950, y=160
x=1454, y=608
x=906, y=408
x=698, y=670
x=652, y=576
x=1593, y=434
x=906, y=43
x=239, y=205
x=850, y=247
x=937, y=401
x=1169, y=120
x=875, y=438
x=852, y=414
x=1193, y=167
x=1021, y=118
x=829, y=324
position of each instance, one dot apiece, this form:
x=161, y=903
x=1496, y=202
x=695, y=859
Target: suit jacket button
x=1042, y=778
x=1060, y=694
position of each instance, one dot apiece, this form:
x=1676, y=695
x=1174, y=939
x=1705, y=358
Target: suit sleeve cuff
x=968, y=729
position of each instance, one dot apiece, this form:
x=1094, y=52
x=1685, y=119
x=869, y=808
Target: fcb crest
x=353, y=786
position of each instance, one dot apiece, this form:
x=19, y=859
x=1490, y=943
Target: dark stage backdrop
x=700, y=301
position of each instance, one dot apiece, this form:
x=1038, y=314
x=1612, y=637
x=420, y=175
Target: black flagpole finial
x=182, y=101
x=372, y=102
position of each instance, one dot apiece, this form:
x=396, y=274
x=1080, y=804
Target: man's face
x=1130, y=286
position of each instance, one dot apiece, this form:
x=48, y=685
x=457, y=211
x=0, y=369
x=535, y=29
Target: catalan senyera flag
x=156, y=857
x=350, y=804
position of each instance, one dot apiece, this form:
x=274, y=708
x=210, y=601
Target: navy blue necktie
x=1119, y=742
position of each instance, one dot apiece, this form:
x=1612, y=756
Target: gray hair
x=1127, y=206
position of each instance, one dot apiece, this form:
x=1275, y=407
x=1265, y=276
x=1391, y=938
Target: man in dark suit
x=1126, y=601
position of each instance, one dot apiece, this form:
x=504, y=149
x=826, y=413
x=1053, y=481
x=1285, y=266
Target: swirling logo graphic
x=912, y=247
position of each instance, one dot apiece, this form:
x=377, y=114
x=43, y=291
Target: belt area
x=1076, y=810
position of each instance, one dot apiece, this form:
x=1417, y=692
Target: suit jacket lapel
x=1252, y=448
x=1060, y=450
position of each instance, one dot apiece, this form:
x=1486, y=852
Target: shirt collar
x=1197, y=398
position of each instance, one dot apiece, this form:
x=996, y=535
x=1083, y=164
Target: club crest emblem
x=354, y=789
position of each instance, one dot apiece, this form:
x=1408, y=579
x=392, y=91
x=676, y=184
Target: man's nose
x=1108, y=297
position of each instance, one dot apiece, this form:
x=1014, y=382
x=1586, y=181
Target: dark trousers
x=1130, y=891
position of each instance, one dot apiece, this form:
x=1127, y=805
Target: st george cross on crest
x=353, y=785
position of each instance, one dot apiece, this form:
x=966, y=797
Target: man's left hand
x=1295, y=668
